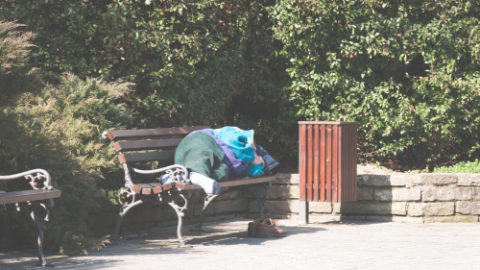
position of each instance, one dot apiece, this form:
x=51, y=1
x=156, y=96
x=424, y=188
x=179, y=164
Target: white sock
x=209, y=185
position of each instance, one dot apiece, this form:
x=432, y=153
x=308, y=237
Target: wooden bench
x=139, y=146
x=41, y=194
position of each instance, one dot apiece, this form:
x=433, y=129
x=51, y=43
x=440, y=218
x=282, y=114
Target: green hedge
x=202, y=62
x=407, y=71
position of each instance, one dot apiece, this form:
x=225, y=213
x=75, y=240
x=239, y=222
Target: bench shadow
x=242, y=238
x=156, y=244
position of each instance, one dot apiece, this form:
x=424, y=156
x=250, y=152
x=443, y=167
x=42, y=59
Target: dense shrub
x=407, y=71
x=16, y=73
x=59, y=129
x=202, y=62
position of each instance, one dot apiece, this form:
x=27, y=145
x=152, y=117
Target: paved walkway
x=323, y=245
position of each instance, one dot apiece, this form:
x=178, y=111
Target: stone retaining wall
x=396, y=197
x=428, y=197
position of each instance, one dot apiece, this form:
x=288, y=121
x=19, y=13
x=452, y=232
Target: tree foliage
x=60, y=129
x=407, y=71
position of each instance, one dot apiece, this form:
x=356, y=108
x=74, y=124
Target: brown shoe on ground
x=265, y=228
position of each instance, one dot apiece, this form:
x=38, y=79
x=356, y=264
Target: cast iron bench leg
x=260, y=196
x=180, y=211
x=121, y=215
x=128, y=200
x=41, y=226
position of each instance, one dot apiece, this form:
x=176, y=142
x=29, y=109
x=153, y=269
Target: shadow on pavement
x=150, y=245
x=241, y=237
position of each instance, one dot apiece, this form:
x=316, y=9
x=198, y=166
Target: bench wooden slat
x=147, y=188
x=155, y=188
x=231, y=183
x=28, y=195
x=247, y=181
x=164, y=156
x=153, y=132
x=146, y=144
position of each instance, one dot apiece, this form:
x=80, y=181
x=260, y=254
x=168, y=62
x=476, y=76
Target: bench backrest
x=142, y=145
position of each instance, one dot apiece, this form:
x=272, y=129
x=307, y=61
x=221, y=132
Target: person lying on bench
x=213, y=155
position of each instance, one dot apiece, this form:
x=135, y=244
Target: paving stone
x=355, y=244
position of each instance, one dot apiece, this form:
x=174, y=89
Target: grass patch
x=461, y=167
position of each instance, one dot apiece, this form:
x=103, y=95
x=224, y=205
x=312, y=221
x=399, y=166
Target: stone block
x=383, y=194
x=320, y=207
x=229, y=206
x=431, y=209
x=400, y=179
x=399, y=208
x=337, y=207
x=466, y=179
x=322, y=218
x=397, y=194
x=366, y=208
x=468, y=208
x=458, y=218
x=464, y=193
x=287, y=178
x=276, y=192
x=281, y=207
x=437, y=179
x=230, y=195
x=391, y=180
x=294, y=192
x=373, y=180
x=438, y=193
x=364, y=193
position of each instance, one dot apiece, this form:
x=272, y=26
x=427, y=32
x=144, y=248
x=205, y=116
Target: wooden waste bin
x=327, y=163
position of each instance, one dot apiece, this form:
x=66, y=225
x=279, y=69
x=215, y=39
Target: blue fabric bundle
x=240, y=141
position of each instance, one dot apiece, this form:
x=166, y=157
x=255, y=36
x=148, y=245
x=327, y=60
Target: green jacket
x=199, y=152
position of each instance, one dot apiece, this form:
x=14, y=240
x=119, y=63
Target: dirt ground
x=371, y=168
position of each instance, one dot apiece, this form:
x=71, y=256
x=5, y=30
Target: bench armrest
x=178, y=173
x=38, y=178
